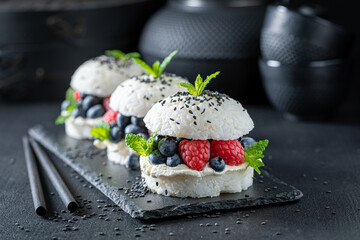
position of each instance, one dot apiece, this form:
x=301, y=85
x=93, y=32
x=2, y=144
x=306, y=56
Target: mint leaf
x=115, y=54
x=157, y=69
x=61, y=119
x=101, y=131
x=202, y=86
x=69, y=96
x=166, y=61
x=145, y=66
x=199, y=84
x=156, y=66
x=255, y=153
x=132, y=55
x=189, y=87
x=139, y=143
x=119, y=54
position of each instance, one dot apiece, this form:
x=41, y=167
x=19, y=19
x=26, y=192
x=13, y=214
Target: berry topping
x=174, y=160
x=110, y=116
x=217, y=163
x=106, y=103
x=195, y=153
x=157, y=158
x=116, y=135
x=231, y=151
x=65, y=104
x=89, y=101
x=167, y=147
x=77, y=95
x=247, y=142
x=134, y=129
x=122, y=120
x=132, y=161
x=137, y=121
x=78, y=112
x=112, y=124
x=95, y=111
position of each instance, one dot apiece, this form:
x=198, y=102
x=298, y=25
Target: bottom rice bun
x=181, y=181
x=196, y=149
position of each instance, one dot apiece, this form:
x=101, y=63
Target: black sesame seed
x=195, y=123
x=208, y=121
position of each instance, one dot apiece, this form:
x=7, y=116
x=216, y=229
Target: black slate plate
x=124, y=186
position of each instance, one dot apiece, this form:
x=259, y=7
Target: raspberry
x=231, y=151
x=106, y=102
x=76, y=95
x=195, y=153
x=110, y=116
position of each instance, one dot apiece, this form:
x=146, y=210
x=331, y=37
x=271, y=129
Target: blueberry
x=112, y=124
x=217, y=163
x=122, y=120
x=89, y=101
x=174, y=160
x=144, y=135
x=65, y=104
x=83, y=95
x=116, y=135
x=247, y=142
x=78, y=112
x=137, y=121
x=79, y=103
x=157, y=139
x=95, y=111
x=168, y=147
x=157, y=158
x=132, y=161
x=134, y=129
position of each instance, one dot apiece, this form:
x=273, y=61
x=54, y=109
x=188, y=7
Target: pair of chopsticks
x=31, y=147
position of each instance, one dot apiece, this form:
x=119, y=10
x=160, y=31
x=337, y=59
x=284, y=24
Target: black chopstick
x=34, y=178
x=54, y=177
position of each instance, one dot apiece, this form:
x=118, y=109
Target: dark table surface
x=321, y=159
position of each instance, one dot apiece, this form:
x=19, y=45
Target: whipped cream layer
x=163, y=170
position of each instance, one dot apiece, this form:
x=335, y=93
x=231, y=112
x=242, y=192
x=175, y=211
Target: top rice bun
x=209, y=116
x=137, y=95
x=101, y=75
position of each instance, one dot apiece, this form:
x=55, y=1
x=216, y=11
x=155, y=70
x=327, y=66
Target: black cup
x=305, y=92
x=296, y=36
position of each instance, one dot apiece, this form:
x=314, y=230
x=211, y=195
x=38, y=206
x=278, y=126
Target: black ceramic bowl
x=210, y=35
x=305, y=92
x=294, y=37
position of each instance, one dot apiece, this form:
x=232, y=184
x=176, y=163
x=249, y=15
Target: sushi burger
x=129, y=103
x=196, y=149
x=91, y=85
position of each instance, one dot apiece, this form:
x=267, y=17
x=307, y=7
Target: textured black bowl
x=294, y=37
x=210, y=36
x=308, y=92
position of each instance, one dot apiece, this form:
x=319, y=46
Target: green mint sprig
x=157, y=69
x=199, y=84
x=101, y=131
x=139, y=144
x=119, y=54
x=69, y=96
x=255, y=153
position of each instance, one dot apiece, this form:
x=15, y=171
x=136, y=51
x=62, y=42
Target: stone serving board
x=124, y=186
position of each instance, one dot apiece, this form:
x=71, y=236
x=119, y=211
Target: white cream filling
x=80, y=127
x=116, y=152
x=182, y=169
